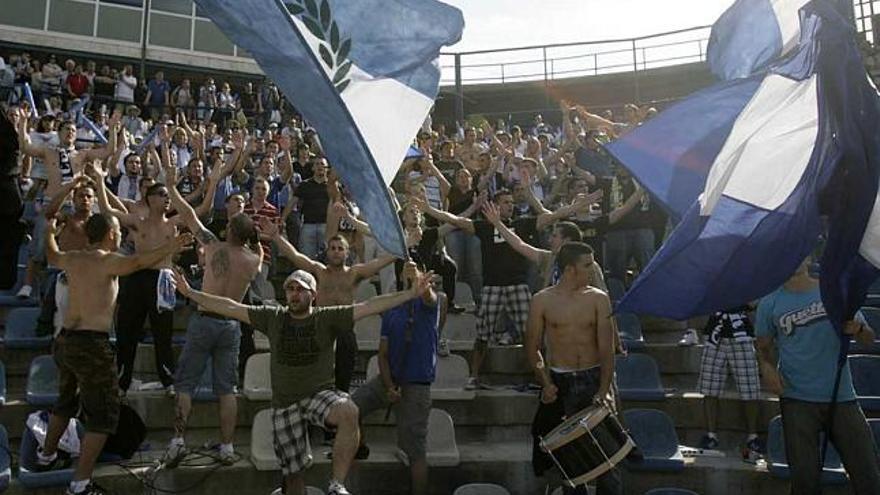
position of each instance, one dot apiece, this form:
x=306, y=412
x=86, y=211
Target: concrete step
x=504, y=463
x=489, y=409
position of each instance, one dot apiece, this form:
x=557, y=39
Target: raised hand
x=490, y=211
x=183, y=242
x=267, y=226
x=181, y=284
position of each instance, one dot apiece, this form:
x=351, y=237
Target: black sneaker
x=92, y=489
x=61, y=461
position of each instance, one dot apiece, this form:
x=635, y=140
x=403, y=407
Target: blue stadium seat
x=866, y=380
x=777, y=463
x=27, y=459
x=5, y=460
x=205, y=389
x=42, y=382
x=2, y=384
x=616, y=289
x=873, y=298
x=875, y=429
x=21, y=333
x=670, y=491
x=638, y=378
x=630, y=329
x=654, y=433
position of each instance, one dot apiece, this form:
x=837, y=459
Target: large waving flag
x=804, y=144
x=364, y=73
x=751, y=34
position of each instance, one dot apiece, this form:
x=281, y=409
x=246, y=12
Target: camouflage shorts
x=87, y=379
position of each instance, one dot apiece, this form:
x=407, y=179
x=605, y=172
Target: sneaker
x=709, y=443
x=456, y=309
x=227, y=457
x=689, y=338
x=61, y=461
x=472, y=384
x=169, y=391
x=25, y=292
x=753, y=451
x=175, y=453
x=505, y=340
x=337, y=488
x=443, y=348
x=91, y=489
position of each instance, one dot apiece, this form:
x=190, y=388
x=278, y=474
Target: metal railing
x=564, y=60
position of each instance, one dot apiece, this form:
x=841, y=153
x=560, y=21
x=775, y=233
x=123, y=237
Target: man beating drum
x=572, y=322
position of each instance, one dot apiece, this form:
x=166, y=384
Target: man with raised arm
x=302, y=337
x=572, y=321
x=230, y=267
x=337, y=283
x=505, y=271
x=85, y=360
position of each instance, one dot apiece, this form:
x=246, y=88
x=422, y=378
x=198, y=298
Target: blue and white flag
x=752, y=34
x=805, y=144
x=364, y=73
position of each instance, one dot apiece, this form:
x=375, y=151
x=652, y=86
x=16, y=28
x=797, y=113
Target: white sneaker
x=443, y=348
x=471, y=384
x=169, y=391
x=337, y=488
x=689, y=338
x=175, y=453
x=25, y=292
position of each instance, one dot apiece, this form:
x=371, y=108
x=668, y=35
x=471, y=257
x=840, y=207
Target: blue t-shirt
x=808, y=345
x=157, y=91
x=421, y=358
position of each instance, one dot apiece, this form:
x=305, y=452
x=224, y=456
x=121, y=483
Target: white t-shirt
x=125, y=92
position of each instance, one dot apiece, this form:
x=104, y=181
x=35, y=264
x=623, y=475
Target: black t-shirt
x=643, y=216
x=460, y=201
x=304, y=170
x=593, y=232
x=313, y=201
x=422, y=254
x=501, y=264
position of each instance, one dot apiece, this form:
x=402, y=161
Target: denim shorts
x=209, y=337
x=411, y=413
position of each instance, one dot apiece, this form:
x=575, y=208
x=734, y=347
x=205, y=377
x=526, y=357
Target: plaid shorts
x=495, y=298
x=291, y=428
x=740, y=357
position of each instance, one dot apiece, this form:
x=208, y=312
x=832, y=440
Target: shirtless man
x=87, y=373
x=336, y=285
x=573, y=322
x=139, y=294
x=230, y=267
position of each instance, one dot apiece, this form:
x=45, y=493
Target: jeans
x=802, y=421
x=312, y=239
x=464, y=248
x=576, y=390
x=623, y=245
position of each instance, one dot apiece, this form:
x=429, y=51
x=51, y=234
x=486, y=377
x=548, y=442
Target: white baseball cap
x=305, y=279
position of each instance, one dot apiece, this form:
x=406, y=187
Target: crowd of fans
x=490, y=205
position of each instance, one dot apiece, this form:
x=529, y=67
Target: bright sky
x=511, y=23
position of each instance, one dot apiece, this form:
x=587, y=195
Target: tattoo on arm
x=205, y=236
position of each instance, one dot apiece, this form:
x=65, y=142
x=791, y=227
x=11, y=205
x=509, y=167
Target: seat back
x=21, y=330
x=365, y=290
x=872, y=316
x=368, y=331
x=653, y=431
x=262, y=448
x=42, y=381
x=481, y=489
x=865, y=374
x=257, y=377
x=638, y=378
x=442, y=450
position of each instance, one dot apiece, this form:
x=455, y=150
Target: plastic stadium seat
x=257, y=378
x=872, y=316
x=630, y=329
x=368, y=331
x=463, y=294
x=450, y=378
x=866, y=380
x=638, y=378
x=5, y=460
x=365, y=290
x=670, y=491
x=441, y=451
x=42, y=382
x=460, y=327
x=873, y=298
x=21, y=330
x=27, y=458
x=481, y=489
x=654, y=433
x=262, y=448
x=2, y=384
x=875, y=429
x=616, y=289
x=832, y=473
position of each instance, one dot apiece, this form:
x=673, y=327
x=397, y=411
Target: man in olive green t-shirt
x=302, y=338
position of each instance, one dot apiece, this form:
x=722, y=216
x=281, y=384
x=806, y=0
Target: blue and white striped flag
x=364, y=73
x=752, y=175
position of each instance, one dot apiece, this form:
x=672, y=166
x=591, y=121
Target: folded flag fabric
x=759, y=181
x=363, y=73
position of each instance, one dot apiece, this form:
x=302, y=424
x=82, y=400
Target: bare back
x=571, y=326
x=229, y=269
x=336, y=286
x=92, y=291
